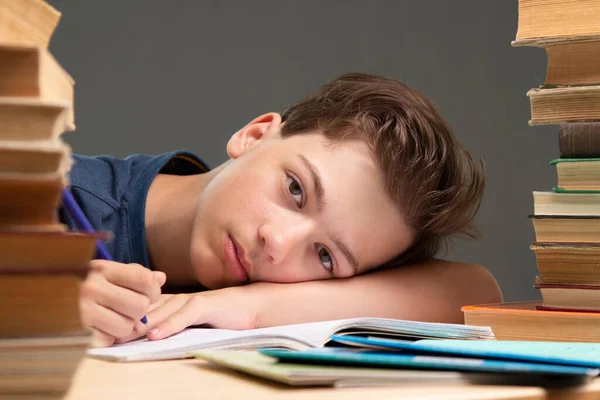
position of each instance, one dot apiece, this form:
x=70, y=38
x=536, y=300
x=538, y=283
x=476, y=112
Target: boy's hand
x=115, y=296
x=229, y=308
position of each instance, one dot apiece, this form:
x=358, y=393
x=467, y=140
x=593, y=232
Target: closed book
x=40, y=367
x=573, y=63
x=579, y=140
x=34, y=159
x=522, y=321
x=555, y=106
x=569, y=297
x=566, y=228
x=554, y=20
x=27, y=21
x=577, y=204
x=30, y=202
x=577, y=174
x=24, y=118
x=28, y=252
x=568, y=263
x=32, y=72
x=41, y=304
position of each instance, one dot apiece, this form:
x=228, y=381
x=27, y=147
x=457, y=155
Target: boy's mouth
x=234, y=258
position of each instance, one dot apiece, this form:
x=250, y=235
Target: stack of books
x=42, y=338
x=566, y=220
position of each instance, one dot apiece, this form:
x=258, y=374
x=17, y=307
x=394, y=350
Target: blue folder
x=371, y=358
x=561, y=353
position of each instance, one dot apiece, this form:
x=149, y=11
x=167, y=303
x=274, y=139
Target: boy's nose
x=281, y=238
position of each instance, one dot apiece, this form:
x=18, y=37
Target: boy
x=362, y=181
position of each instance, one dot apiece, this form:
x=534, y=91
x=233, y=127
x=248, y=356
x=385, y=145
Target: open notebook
x=293, y=337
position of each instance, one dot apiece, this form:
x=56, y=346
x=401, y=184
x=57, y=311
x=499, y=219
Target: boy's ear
x=260, y=128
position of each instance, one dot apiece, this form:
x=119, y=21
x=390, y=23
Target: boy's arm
x=431, y=291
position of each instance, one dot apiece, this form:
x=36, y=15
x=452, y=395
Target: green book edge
x=561, y=160
x=558, y=189
x=556, y=86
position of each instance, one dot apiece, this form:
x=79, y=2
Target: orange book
x=522, y=321
x=31, y=252
x=30, y=204
x=41, y=305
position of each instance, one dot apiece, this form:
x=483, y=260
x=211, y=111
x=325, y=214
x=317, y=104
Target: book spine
x=579, y=140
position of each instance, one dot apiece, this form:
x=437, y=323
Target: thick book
x=579, y=140
x=34, y=158
x=25, y=118
x=522, y=321
x=568, y=203
x=27, y=21
x=32, y=72
x=555, y=106
x=560, y=353
x=547, y=21
x=573, y=63
x=41, y=304
x=584, y=298
x=33, y=253
x=256, y=364
x=577, y=174
x=568, y=263
x=32, y=203
x=294, y=337
x=366, y=358
x=566, y=228
x=41, y=367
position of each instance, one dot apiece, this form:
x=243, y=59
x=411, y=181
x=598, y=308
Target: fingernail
x=154, y=332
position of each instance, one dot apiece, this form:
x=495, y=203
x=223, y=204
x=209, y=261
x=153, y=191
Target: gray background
x=154, y=76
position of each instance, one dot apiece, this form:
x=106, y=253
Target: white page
x=312, y=334
x=297, y=337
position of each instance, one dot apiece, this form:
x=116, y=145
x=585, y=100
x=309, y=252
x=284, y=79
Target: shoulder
x=110, y=178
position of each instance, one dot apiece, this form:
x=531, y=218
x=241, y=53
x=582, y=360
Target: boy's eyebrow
x=347, y=253
x=320, y=193
x=319, y=189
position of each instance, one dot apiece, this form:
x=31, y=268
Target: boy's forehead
x=318, y=141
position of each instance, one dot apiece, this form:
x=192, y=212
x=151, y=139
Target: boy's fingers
x=101, y=339
x=134, y=277
x=161, y=277
x=108, y=321
x=162, y=309
x=188, y=314
x=124, y=301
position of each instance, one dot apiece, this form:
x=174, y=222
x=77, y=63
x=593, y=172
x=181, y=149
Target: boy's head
x=362, y=173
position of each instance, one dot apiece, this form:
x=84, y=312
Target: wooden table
x=194, y=379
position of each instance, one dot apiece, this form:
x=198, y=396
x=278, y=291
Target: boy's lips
x=234, y=259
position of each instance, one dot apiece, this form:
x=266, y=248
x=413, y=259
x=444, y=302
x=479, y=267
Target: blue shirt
x=112, y=194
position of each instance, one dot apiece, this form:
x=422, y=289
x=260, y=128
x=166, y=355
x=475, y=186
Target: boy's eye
x=325, y=258
x=296, y=190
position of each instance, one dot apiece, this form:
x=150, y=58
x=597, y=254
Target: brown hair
x=428, y=174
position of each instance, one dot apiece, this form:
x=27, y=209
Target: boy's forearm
x=433, y=291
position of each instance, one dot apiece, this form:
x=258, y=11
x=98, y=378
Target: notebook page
x=313, y=334
x=587, y=354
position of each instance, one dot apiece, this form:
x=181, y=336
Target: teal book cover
x=372, y=358
x=560, y=353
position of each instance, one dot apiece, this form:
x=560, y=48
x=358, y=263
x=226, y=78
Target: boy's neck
x=170, y=212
